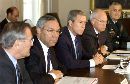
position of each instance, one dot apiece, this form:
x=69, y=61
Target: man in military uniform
x=115, y=29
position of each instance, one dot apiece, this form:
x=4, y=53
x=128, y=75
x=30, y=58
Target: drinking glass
x=124, y=62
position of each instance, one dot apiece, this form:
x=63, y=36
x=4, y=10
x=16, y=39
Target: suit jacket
x=65, y=52
x=120, y=37
x=2, y=24
x=36, y=65
x=8, y=71
x=91, y=42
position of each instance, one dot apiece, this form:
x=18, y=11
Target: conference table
x=105, y=76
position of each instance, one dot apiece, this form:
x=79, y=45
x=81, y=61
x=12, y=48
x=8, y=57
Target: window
x=31, y=10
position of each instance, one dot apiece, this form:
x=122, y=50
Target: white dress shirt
x=45, y=50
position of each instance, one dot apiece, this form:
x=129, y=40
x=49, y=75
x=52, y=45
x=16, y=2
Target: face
x=50, y=33
x=25, y=44
x=14, y=15
x=115, y=12
x=78, y=25
x=100, y=21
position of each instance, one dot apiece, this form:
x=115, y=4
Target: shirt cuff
x=106, y=47
x=53, y=75
x=92, y=63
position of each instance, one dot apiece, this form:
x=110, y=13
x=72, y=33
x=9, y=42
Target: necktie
x=97, y=40
x=19, y=76
x=77, y=48
x=48, y=60
x=117, y=25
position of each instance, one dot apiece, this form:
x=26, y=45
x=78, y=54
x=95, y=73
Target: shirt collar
x=8, y=20
x=14, y=61
x=96, y=31
x=44, y=47
x=114, y=22
x=72, y=35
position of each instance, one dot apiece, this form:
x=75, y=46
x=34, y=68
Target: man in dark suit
x=95, y=34
x=15, y=44
x=69, y=50
x=42, y=64
x=117, y=33
x=12, y=16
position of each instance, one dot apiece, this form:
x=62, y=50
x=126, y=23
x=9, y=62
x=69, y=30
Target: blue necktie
x=77, y=46
x=19, y=74
x=48, y=60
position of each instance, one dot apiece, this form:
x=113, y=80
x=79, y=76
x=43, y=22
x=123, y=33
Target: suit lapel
x=66, y=32
x=91, y=32
x=6, y=60
x=38, y=49
x=53, y=60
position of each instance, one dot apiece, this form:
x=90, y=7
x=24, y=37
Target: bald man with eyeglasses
x=94, y=38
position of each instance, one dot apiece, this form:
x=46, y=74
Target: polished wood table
x=105, y=76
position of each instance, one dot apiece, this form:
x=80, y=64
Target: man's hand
x=103, y=49
x=98, y=58
x=58, y=74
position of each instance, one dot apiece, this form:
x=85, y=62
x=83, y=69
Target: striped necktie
x=19, y=76
x=77, y=48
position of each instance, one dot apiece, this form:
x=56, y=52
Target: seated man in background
x=95, y=38
x=42, y=64
x=117, y=33
x=15, y=43
x=69, y=50
x=12, y=16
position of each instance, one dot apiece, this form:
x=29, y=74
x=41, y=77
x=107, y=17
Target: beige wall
x=4, y=4
x=62, y=7
x=66, y=5
x=3, y=7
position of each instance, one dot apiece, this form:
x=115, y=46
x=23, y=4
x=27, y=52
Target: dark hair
x=11, y=32
x=115, y=3
x=10, y=10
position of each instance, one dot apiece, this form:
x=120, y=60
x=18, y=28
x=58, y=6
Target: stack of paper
x=115, y=57
x=122, y=71
x=121, y=51
x=110, y=66
x=77, y=80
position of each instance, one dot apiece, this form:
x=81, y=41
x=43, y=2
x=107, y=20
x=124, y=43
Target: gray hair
x=94, y=14
x=73, y=13
x=42, y=20
x=13, y=31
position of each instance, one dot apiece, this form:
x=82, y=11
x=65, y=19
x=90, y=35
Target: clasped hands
x=100, y=55
x=58, y=74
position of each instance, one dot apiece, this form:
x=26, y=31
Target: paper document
x=121, y=51
x=117, y=56
x=125, y=81
x=77, y=80
x=109, y=66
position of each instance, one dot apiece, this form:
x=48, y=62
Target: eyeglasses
x=31, y=40
x=102, y=21
x=52, y=31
